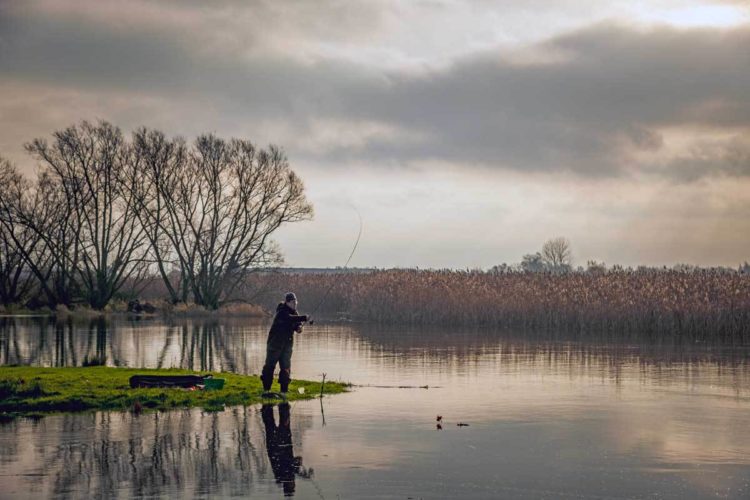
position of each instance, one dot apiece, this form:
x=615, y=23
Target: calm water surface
x=547, y=417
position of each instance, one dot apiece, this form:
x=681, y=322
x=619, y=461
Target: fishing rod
x=354, y=249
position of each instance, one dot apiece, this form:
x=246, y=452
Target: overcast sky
x=464, y=133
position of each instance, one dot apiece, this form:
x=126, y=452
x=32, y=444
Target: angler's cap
x=290, y=297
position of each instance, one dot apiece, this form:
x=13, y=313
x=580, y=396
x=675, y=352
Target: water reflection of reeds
x=478, y=355
x=554, y=348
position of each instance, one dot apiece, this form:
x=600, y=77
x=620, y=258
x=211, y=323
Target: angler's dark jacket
x=285, y=323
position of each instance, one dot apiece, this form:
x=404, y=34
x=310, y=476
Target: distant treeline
x=693, y=303
x=105, y=212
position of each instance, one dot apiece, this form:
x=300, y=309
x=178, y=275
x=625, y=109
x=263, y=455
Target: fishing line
x=354, y=249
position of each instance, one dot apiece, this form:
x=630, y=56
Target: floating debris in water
x=301, y=390
x=461, y=424
x=439, y=418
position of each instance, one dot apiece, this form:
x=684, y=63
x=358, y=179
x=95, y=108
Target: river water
x=548, y=417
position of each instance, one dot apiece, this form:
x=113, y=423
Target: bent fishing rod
x=354, y=249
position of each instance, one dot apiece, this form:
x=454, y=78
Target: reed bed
x=699, y=304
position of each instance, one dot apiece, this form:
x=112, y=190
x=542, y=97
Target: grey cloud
x=729, y=157
x=79, y=53
x=588, y=113
x=67, y=51
x=591, y=109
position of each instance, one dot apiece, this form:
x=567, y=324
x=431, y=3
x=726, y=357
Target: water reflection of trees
x=176, y=453
x=55, y=342
x=205, y=345
x=232, y=345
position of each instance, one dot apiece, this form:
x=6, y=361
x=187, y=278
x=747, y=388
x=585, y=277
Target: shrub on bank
x=191, y=309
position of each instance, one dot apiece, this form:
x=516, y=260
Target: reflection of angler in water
x=280, y=450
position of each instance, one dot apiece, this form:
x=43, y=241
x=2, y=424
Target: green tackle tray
x=213, y=384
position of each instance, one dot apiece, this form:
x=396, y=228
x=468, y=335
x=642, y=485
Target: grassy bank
x=28, y=390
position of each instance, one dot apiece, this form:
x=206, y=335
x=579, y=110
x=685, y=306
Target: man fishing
x=280, y=343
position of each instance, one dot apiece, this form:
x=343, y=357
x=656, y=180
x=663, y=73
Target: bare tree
x=154, y=172
x=220, y=206
x=16, y=279
x=37, y=220
x=556, y=253
x=103, y=212
x=85, y=163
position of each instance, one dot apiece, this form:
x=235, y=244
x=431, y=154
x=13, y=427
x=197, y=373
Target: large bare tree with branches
x=86, y=163
x=157, y=164
x=104, y=211
x=216, y=205
x=37, y=222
